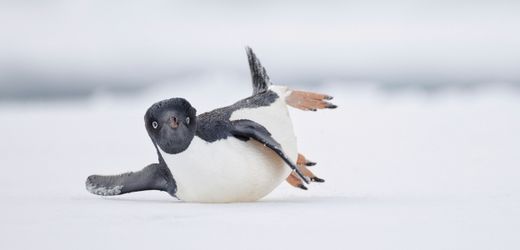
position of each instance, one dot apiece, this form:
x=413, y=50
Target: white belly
x=232, y=170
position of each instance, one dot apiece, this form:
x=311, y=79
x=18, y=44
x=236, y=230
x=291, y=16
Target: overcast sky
x=78, y=44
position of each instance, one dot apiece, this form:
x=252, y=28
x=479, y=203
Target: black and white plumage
x=236, y=153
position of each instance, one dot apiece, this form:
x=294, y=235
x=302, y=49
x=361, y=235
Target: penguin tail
x=259, y=75
x=152, y=177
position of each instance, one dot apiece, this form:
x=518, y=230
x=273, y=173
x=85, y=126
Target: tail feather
x=259, y=76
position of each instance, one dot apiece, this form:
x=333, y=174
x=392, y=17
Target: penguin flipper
x=153, y=177
x=259, y=75
x=247, y=129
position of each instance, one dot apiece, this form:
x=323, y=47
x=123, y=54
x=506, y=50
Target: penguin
x=236, y=153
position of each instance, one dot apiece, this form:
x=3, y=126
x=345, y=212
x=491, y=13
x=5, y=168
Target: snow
x=402, y=171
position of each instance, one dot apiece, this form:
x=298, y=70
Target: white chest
x=232, y=170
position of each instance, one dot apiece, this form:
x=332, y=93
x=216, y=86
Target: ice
x=402, y=171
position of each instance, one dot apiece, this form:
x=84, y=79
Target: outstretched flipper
x=153, y=177
x=247, y=129
x=259, y=76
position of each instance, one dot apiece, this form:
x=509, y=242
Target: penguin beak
x=174, y=122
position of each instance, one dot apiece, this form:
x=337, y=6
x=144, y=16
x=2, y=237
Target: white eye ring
x=188, y=120
x=155, y=124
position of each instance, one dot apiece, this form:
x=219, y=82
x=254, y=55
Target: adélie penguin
x=235, y=153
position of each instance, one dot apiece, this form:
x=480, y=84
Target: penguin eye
x=188, y=120
x=155, y=124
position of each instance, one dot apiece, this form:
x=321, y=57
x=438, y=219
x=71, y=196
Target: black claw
x=311, y=109
x=331, y=106
x=302, y=187
x=310, y=163
x=328, y=97
x=317, y=179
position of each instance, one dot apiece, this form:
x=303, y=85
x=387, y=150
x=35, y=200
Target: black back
x=215, y=125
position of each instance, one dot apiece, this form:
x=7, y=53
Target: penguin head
x=171, y=124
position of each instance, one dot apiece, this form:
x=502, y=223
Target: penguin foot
x=309, y=101
x=295, y=181
x=309, y=174
x=303, y=163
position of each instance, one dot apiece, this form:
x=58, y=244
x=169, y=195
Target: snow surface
x=403, y=171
